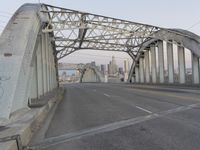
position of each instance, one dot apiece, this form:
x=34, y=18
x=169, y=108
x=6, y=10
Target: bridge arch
x=38, y=35
x=90, y=73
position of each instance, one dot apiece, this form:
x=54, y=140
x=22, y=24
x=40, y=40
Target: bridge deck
x=124, y=117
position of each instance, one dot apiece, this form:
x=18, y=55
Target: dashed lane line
x=106, y=95
x=143, y=109
x=105, y=128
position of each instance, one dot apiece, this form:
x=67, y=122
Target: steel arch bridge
x=38, y=35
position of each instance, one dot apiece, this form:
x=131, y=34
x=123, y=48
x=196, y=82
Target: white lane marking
x=77, y=135
x=106, y=95
x=144, y=109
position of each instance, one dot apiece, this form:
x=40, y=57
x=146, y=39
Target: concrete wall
x=27, y=66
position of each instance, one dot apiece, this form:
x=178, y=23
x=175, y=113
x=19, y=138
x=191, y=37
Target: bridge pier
x=170, y=62
x=181, y=65
x=195, y=69
x=153, y=63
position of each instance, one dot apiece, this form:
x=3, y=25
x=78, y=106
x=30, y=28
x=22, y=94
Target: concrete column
x=47, y=60
x=181, y=64
x=33, y=85
x=137, y=78
x=195, y=69
x=147, y=67
x=170, y=62
x=40, y=70
x=161, y=61
x=141, y=67
x=153, y=63
x=50, y=63
x=44, y=66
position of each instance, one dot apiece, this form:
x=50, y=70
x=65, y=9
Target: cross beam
x=74, y=30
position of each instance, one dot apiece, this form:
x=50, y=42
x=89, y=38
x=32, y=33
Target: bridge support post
x=44, y=63
x=195, y=69
x=170, y=62
x=147, y=67
x=40, y=69
x=181, y=64
x=47, y=60
x=137, y=78
x=153, y=63
x=141, y=61
x=161, y=61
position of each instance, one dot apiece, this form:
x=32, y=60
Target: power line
x=192, y=26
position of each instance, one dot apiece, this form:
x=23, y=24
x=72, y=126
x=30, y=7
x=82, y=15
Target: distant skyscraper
x=121, y=70
x=126, y=66
x=93, y=63
x=114, y=67
x=103, y=69
x=126, y=70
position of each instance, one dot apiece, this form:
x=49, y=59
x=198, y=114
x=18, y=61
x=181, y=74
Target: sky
x=183, y=14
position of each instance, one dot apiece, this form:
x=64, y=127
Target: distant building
x=108, y=68
x=126, y=66
x=112, y=67
x=103, y=69
x=93, y=63
x=121, y=70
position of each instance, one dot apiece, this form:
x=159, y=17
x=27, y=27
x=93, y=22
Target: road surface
x=124, y=117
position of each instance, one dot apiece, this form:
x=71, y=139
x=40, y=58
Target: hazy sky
x=183, y=14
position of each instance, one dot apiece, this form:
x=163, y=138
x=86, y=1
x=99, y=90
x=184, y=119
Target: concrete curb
x=26, y=125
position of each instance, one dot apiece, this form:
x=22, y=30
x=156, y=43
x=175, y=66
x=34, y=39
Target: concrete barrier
x=18, y=131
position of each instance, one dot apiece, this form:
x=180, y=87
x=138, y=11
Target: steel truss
x=74, y=30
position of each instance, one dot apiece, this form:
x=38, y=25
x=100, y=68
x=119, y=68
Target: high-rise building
x=93, y=63
x=126, y=66
x=121, y=70
x=108, y=68
x=113, y=65
x=103, y=69
x=126, y=69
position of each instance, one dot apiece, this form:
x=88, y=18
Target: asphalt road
x=125, y=117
